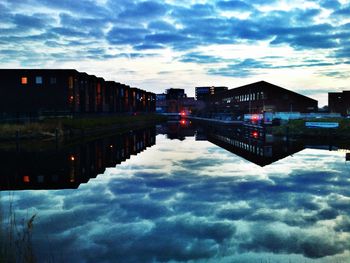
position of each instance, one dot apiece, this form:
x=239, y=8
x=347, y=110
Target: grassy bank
x=64, y=127
x=296, y=128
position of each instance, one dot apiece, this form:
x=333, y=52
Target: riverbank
x=64, y=128
x=296, y=128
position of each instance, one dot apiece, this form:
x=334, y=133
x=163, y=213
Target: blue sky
x=154, y=45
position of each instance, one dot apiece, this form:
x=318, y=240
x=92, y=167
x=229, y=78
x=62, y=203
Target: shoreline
x=71, y=128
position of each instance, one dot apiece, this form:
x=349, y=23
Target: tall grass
x=15, y=237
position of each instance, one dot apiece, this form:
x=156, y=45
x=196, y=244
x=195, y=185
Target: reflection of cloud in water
x=189, y=200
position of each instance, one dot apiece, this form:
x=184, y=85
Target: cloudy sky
x=199, y=203
x=154, y=45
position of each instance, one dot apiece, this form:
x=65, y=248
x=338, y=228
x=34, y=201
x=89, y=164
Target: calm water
x=178, y=196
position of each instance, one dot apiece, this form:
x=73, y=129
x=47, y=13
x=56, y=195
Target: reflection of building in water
x=69, y=167
x=177, y=129
x=254, y=147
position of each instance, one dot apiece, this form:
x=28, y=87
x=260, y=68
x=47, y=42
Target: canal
x=177, y=193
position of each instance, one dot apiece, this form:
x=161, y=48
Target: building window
x=53, y=80
x=24, y=80
x=38, y=80
x=70, y=83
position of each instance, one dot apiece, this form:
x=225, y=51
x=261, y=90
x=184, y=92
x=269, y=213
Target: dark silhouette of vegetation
x=16, y=237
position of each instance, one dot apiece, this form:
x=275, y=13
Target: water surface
x=181, y=198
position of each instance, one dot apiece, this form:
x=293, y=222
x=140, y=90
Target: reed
x=15, y=236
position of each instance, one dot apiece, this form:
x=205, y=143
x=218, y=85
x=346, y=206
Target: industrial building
x=176, y=101
x=205, y=93
x=35, y=92
x=261, y=97
x=339, y=102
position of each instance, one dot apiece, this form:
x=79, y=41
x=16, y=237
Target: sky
x=156, y=45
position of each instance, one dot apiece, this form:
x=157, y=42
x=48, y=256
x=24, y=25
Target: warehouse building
x=35, y=92
x=261, y=97
x=205, y=93
x=339, y=102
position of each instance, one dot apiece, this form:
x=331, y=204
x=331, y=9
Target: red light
x=255, y=117
x=183, y=122
x=255, y=134
x=26, y=179
x=183, y=113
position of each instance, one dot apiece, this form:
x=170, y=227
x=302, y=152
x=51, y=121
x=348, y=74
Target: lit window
x=26, y=179
x=70, y=83
x=24, y=80
x=38, y=80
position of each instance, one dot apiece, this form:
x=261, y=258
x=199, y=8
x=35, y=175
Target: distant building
x=161, y=97
x=176, y=101
x=339, y=102
x=261, y=97
x=175, y=94
x=205, y=93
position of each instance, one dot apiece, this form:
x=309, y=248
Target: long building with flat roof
x=67, y=91
x=261, y=97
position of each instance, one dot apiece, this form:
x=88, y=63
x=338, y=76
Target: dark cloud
x=166, y=38
x=161, y=26
x=330, y=4
x=243, y=69
x=194, y=11
x=34, y=21
x=123, y=35
x=94, y=26
x=148, y=46
x=249, y=67
x=234, y=5
x=344, y=11
x=313, y=246
x=196, y=57
x=68, y=32
x=85, y=7
x=143, y=10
